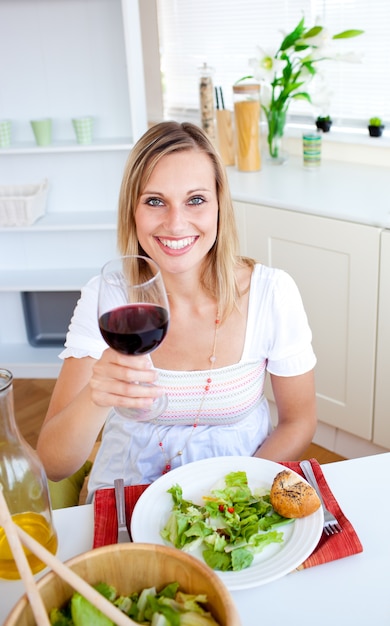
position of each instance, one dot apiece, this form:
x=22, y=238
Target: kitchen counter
x=351, y=192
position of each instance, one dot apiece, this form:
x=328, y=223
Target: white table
x=354, y=590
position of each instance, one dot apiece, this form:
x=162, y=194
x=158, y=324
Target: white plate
x=153, y=508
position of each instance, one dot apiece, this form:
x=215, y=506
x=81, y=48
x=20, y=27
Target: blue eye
x=154, y=202
x=196, y=200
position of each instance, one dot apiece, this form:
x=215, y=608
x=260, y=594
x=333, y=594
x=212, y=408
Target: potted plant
x=324, y=123
x=375, y=127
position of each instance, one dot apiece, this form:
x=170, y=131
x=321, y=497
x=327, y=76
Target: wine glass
x=133, y=314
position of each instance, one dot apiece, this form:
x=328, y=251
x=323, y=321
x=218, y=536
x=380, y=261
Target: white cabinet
x=382, y=386
x=335, y=265
x=64, y=59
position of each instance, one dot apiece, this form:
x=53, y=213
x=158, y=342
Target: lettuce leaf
x=233, y=524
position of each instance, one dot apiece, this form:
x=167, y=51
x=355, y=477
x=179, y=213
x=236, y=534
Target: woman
x=232, y=320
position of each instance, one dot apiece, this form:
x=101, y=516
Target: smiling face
x=177, y=214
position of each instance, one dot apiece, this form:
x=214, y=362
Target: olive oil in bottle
x=24, y=484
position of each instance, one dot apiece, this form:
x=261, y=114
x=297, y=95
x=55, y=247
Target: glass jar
x=25, y=487
x=247, y=123
x=206, y=96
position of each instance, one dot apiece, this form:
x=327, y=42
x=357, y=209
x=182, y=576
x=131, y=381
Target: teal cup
x=312, y=144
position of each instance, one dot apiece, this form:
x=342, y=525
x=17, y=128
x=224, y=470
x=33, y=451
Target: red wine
x=134, y=328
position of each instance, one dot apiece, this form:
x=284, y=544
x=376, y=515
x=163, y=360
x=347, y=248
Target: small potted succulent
x=324, y=123
x=375, y=127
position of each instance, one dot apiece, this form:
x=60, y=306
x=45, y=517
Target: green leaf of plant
x=301, y=95
x=310, y=68
x=313, y=32
x=292, y=37
x=346, y=34
x=243, y=78
x=289, y=88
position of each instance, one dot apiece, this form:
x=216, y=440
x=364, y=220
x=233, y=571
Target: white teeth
x=177, y=244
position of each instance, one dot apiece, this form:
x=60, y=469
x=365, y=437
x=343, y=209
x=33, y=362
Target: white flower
x=265, y=93
x=266, y=66
x=321, y=40
x=305, y=77
x=321, y=94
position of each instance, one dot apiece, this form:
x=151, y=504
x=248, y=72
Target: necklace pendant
x=206, y=388
x=166, y=469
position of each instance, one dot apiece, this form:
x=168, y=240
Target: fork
x=331, y=524
x=123, y=533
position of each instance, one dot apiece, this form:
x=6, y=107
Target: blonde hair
x=218, y=275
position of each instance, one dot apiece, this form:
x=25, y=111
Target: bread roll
x=291, y=496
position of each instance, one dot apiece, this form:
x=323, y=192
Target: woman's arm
x=84, y=393
x=297, y=418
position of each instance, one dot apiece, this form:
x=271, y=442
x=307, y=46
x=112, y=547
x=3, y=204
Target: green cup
x=83, y=129
x=311, y=144
x=5, y=133
x=42, y=131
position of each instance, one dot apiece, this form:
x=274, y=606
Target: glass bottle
x=247, y=121
x=25, y=487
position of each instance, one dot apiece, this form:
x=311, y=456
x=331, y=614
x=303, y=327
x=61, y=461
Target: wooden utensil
x=225, y=135
x=16, y=536
x=25, y=572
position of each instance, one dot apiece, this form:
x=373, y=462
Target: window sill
x=339, y=144
x=349, y=145
x=339, y=134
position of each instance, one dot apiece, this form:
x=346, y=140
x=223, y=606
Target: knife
x=123, y=533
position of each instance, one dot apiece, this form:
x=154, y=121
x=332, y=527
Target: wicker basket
x=22, y=205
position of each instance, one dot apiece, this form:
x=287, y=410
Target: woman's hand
x=115, y=378
x=85, y=391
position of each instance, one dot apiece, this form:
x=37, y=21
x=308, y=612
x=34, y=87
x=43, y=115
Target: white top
x=234, y=418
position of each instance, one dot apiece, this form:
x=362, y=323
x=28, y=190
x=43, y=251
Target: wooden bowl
x=131, y=567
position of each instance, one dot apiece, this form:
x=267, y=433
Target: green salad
x=231, y=526
x=167, y=607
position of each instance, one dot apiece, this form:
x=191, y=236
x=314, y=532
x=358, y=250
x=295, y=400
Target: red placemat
x=105, y=521
x=328, y=549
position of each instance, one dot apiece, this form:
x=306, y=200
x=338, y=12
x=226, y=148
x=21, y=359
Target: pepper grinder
x=206, y=93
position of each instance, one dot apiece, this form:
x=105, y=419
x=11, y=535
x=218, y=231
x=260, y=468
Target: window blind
x=226, y=34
